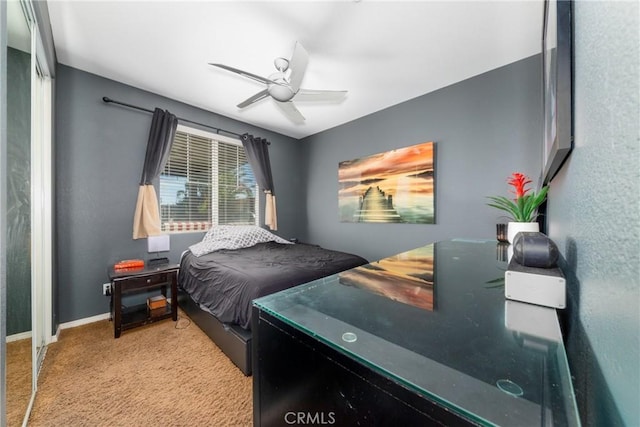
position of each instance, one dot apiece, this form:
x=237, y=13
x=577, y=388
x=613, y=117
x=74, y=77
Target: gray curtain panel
x=146, y=219
x=257, y=150
x=161, y=134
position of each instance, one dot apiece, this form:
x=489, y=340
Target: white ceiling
x=382, y=52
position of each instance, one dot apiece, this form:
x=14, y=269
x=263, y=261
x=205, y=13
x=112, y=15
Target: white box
x=541, y=286
x=160, y=243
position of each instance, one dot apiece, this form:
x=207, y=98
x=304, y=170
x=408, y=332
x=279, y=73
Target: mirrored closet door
x=28, y=210
x=19, y=351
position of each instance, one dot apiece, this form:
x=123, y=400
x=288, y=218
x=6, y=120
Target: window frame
x=183, y=227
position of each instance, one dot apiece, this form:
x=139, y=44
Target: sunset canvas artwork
x=396, y=186
x=407, y=278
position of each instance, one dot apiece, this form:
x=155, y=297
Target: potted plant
x=523, y=210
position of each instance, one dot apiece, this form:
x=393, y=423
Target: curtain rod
x=108, y=100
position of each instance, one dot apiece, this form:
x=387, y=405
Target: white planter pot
x=516, y=227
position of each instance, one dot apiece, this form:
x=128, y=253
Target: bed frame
x=231, y=338
x=234, y=341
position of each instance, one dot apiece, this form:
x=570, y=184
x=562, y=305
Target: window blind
x=206, y=182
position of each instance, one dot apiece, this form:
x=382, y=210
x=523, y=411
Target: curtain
x=258, y=154
x=146, y=219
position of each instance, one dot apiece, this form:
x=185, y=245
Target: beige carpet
x=164, y=374
x=18, y=364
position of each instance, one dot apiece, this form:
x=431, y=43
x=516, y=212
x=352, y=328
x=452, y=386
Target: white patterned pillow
x=233, y=237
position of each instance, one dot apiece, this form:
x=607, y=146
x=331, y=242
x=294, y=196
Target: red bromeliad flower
x=519, y=181
x=524, y=207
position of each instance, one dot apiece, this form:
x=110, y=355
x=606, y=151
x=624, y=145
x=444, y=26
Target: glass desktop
x=435, y=320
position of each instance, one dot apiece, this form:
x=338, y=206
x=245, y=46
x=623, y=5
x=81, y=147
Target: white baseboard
x=18, y=337
x=79, y=322
x=85, y=321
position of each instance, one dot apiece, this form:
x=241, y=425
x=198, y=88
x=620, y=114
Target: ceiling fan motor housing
x=280, y=90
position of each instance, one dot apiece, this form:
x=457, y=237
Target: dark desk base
x=299, y=380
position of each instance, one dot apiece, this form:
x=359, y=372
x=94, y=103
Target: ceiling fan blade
x=255, y=98
x=298, y=66
x=290, y=111
x=244, y=73
x=320, y=95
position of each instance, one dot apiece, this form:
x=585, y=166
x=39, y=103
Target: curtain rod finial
x=106, y=99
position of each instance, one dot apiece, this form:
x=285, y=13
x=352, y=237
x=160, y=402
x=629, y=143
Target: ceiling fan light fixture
x=281, y=64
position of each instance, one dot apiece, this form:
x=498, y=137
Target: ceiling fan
x=284, y=85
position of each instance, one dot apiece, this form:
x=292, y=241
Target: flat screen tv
x=557, y=86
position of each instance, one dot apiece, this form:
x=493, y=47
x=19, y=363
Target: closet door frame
x=41, y=195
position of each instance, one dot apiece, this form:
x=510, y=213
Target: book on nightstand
x=156, y=305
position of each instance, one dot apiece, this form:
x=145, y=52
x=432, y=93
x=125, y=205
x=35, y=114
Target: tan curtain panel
x=270, y=216
x=146, y=219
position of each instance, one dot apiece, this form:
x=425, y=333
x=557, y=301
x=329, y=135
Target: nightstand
x=143, y=280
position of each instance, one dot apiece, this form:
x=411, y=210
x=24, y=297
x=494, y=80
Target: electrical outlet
x=106, y=289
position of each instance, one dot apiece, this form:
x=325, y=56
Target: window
x=206, y=181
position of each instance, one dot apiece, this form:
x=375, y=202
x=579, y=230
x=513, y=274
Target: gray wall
x=484, y=128
x=99, y=155
x=594, y=213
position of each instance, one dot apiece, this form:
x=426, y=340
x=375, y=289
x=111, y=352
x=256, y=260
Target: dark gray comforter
x=226, y=281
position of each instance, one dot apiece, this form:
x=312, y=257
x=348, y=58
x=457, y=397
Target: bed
x=220, y=276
